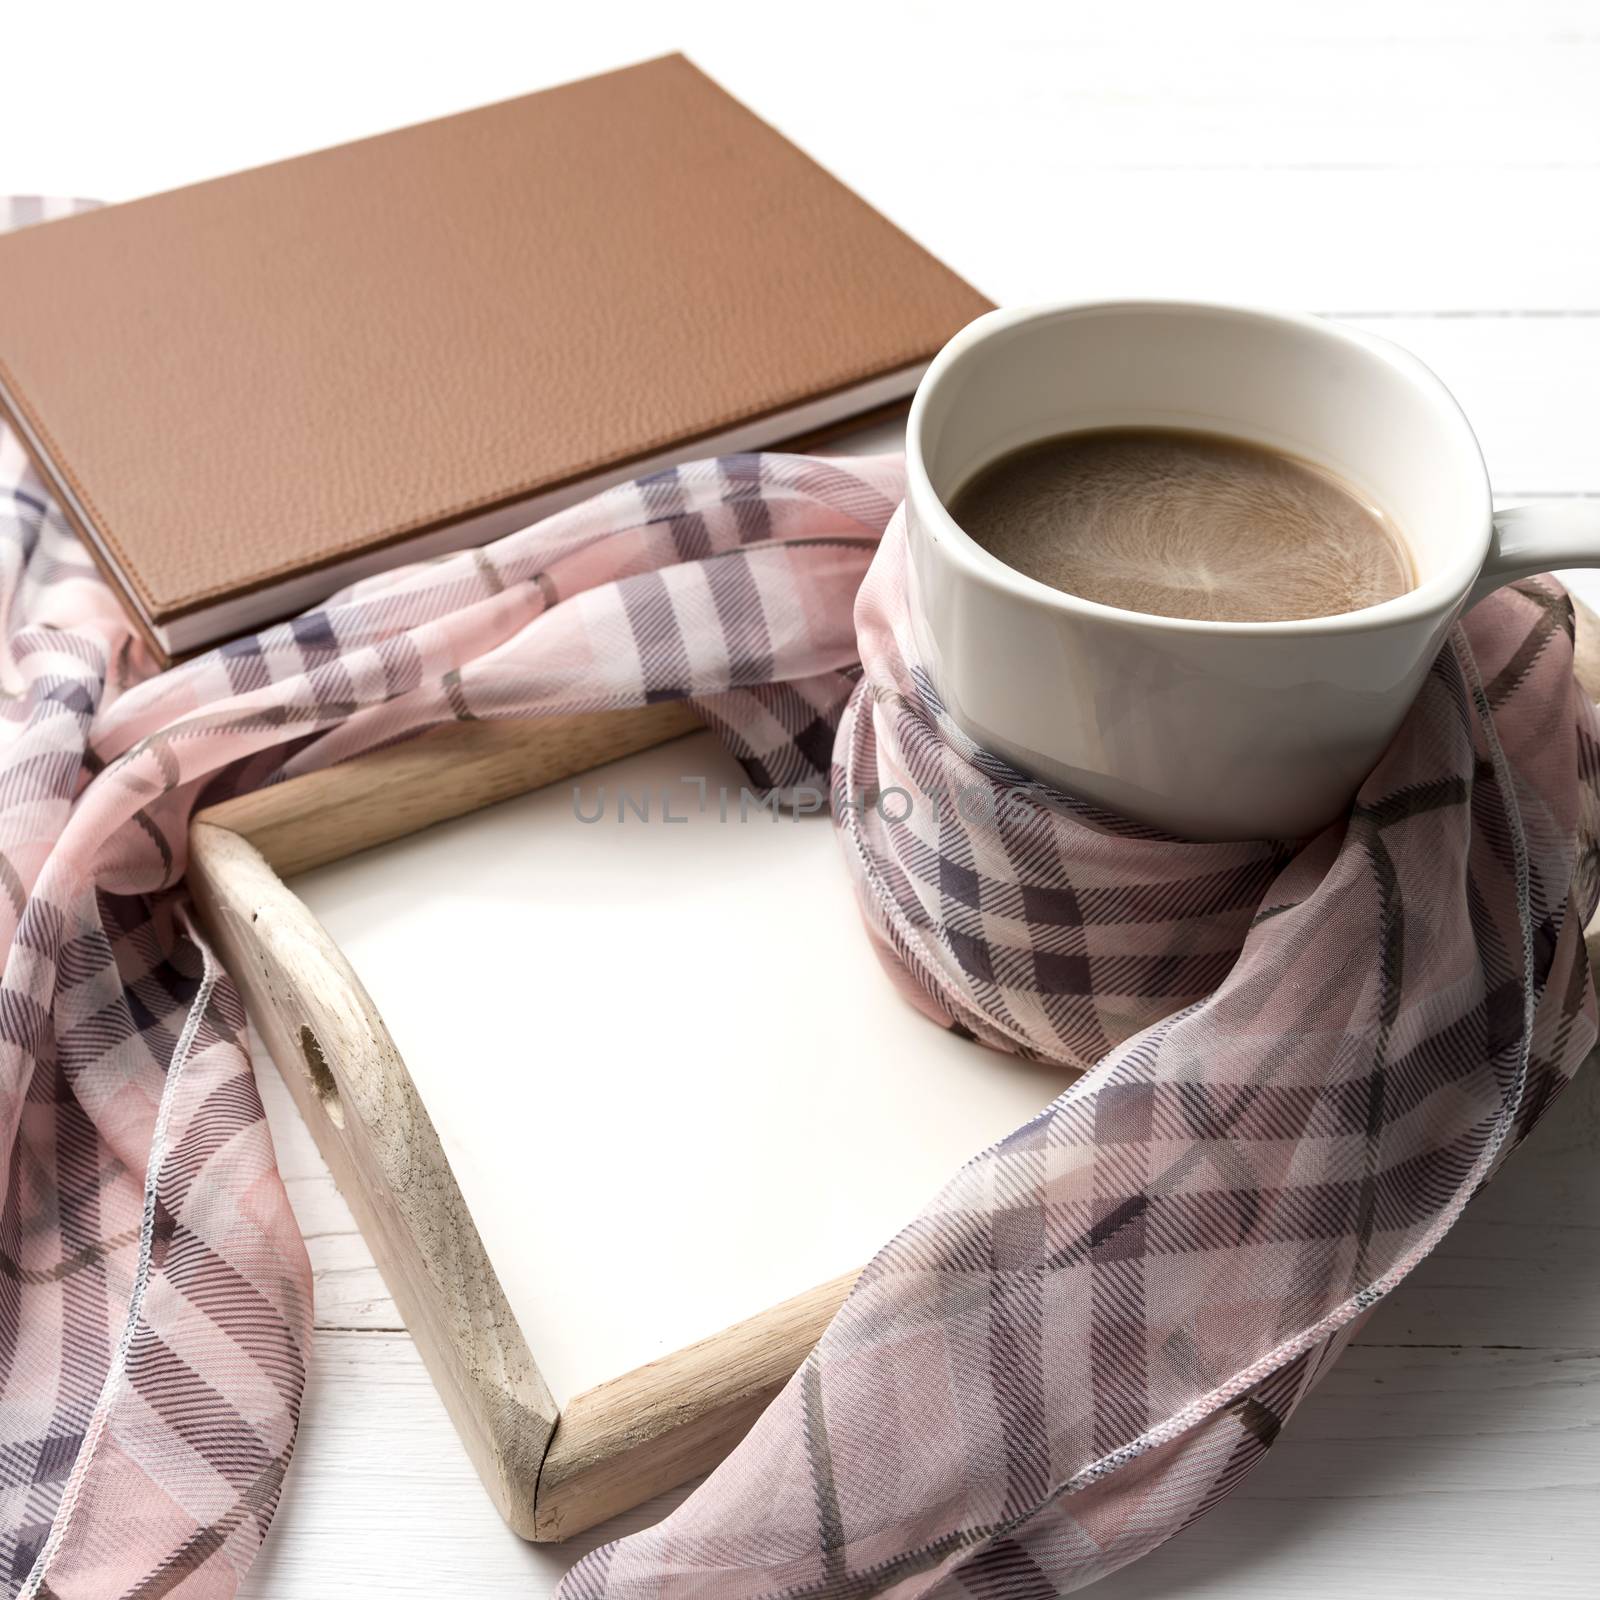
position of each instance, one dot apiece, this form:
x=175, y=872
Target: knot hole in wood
x=321, y=1075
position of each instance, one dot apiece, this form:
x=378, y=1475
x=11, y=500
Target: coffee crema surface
x=1184, y=524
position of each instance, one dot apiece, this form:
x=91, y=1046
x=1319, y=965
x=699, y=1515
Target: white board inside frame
x=671, y=1078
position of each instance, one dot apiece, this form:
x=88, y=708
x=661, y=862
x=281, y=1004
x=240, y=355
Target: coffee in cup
x=1260, y=721
x=1179, y=523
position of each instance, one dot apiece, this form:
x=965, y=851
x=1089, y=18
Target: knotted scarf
x=1301, y=1058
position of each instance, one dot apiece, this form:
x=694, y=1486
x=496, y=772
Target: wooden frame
x=550, y=1474
x=630, y=1437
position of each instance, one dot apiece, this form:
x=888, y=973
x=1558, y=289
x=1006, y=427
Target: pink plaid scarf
x=1304, y=1061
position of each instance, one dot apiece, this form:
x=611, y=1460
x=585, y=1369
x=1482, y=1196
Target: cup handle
x=1542, y=537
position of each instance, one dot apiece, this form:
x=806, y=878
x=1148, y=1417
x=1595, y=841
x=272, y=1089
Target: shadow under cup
x=1211, y=730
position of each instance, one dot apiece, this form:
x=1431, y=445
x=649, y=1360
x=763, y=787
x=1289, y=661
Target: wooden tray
x=616, y=1442
x=634, y=1433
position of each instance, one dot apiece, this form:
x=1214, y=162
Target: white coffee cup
x=1212, y=730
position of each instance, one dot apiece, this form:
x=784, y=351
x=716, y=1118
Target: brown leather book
x=252, y=391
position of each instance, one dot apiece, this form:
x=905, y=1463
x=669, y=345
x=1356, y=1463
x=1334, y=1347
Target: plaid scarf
x=1303, y=1061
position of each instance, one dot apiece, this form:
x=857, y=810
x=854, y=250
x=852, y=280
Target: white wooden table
x=1429, y=169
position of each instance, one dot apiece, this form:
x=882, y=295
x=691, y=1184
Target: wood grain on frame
x=353, y=1090
x=447, y=772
